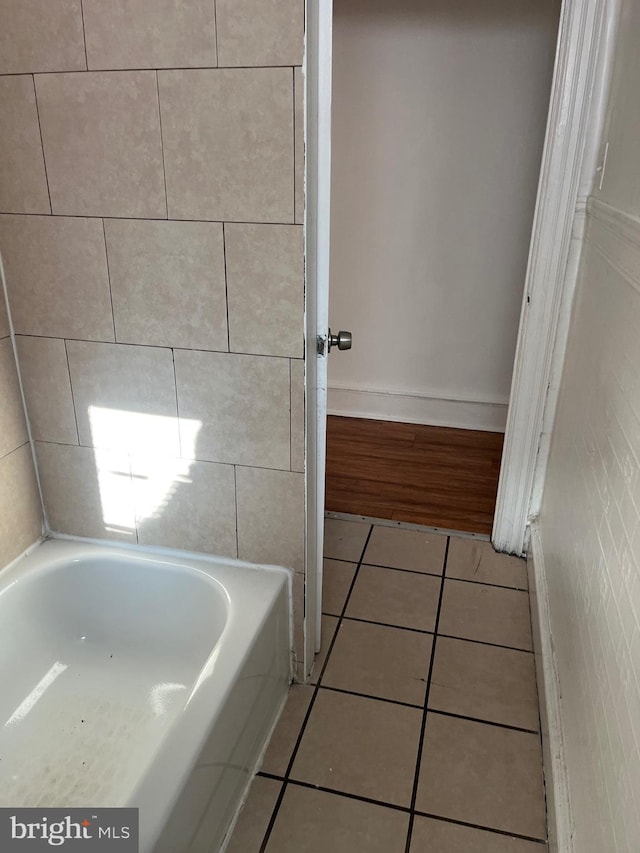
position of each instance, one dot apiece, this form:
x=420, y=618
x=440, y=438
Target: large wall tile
x=13, y=428
x=228, y=143
x=298, y=85
x=23, y=181
x=20, y=508
x=182, y=503
x=260, y=32
x=265, y=282
x=168, y=284
x=101, y=136
x=271, y=517
x=242, y=404
x=87, y=492
x=41, y=35
x=124, y=397
x=56, y=269
x=150, y=33
x=297, y=415
x=47, y=390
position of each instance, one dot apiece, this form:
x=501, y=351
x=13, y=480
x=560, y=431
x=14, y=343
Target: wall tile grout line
x=226, y=284
x=290, y=416
x=235, y=496
x=148, y=218
x=215, y=31
x=84, y=39
x=188, y=458
x=293, y=88
x=164, y=165
x=160, y=68
x=73, y=399
x=432, y=657
x=175, y=388
x=163, y=346
x=296, y=747
x=44, y=159
x=113, y=313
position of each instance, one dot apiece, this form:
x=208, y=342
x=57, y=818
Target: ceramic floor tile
x=475, y=680
x=437, y=836
x=360, y=746
x=397, y=548
x=285, y=734
x=336, y=580
x=486, y=613
x=386, y=662
x=344, y=540
x=329, y=625
x=406, y=599
x=255, y=816
x=482, y=774
x=470, y=559
x=314, y=822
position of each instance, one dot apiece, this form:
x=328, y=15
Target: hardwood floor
x=436, y=476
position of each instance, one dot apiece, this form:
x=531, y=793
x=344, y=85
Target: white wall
x=589, y=526
x=438, y=124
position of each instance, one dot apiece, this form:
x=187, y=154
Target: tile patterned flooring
x=419, y=729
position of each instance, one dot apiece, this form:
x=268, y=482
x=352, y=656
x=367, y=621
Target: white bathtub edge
x=254, y=772
x=160, y=550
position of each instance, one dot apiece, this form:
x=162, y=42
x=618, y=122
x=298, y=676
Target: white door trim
x=571, y=127
x=317, y=73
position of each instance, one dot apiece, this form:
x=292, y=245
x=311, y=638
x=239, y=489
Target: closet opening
x=438, y=121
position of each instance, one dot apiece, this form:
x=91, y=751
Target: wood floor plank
x=436, y=476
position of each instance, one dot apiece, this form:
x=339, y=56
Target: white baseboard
x=416, y=409
x=559, y=819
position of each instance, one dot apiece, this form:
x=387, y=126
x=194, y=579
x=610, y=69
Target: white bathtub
x=129, y=678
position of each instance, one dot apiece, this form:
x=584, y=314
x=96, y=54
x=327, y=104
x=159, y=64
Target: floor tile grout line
x=492, y=829
x=431, y=633
x=370, y=696
x=405, y=809
x=486, y=643
x=382, y=624
x=433, y=575
x=316, y=689
x=437, y=711
x=497, y=725
x=432, y=656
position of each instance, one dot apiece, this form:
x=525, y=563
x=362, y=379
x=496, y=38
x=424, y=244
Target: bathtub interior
x=108, y=654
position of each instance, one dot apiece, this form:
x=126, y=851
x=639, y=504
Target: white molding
x=592, y=159
x=408, y=407
x=317, y=76
x=569, y=129
x=559, y=817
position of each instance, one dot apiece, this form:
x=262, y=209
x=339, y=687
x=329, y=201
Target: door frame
x=570, y=153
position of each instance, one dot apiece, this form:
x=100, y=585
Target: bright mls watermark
x=104, y=830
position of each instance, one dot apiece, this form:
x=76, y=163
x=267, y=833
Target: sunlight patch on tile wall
x=139, y=448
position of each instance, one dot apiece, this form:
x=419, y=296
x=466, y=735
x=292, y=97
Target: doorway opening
x=438, y=122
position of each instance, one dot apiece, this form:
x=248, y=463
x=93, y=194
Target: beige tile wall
x=20, y=509
x=151, y=201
